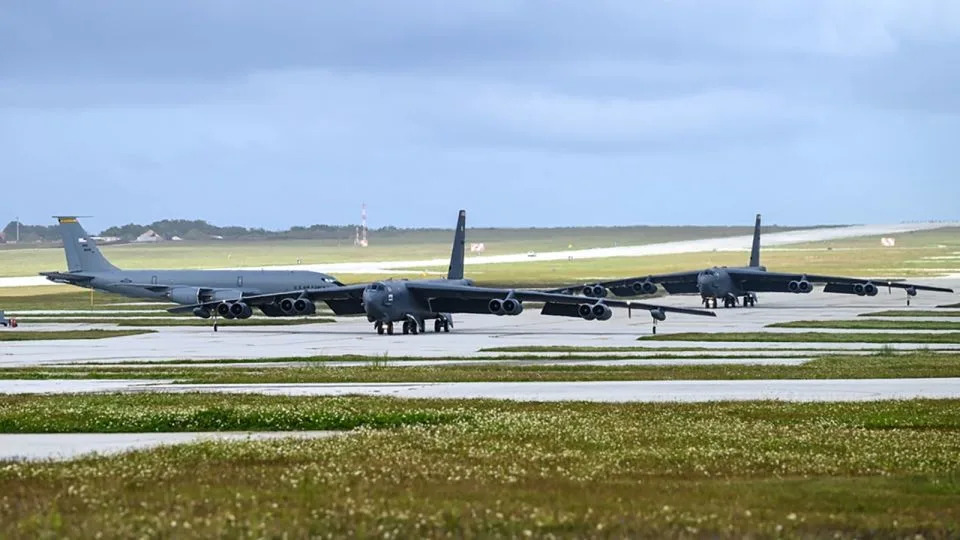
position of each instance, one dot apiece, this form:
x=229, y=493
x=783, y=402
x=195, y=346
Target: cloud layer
x=526, y=113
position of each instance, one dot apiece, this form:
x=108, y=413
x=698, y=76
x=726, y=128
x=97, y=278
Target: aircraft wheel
x=437, y=326
x=414, y=328
x=446, y=326
x=379, y=327
x=406, y=327
x=390, y=329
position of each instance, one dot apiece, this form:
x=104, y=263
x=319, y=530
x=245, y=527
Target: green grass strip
x=871, y=324
x=807, y=337
x=17, y=335
x=883, y=364
x=913, y=313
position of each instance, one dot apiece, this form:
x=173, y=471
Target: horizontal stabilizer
x=66, y=277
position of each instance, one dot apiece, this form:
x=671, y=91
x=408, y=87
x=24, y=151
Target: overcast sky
x=525, y=113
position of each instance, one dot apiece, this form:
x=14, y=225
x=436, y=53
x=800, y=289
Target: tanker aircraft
x=412, y=302
x=88, y=268
x=730, y=284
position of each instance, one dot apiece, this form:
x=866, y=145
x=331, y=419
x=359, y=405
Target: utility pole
x=18, y=229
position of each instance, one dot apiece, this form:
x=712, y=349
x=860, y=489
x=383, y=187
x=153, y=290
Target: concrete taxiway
x=474, y=335
x=598, y=391
x=44, y=446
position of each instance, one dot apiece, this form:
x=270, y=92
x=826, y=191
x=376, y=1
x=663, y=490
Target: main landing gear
x=441, y=325
x=381, y=328
x=411, y=327
x=730, y=301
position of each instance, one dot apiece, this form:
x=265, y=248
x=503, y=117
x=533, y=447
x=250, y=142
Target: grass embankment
x=913, y=313
x=884, y=364
x=16, y=335
x=482, y=469
x=870, y=324
x=807, y=337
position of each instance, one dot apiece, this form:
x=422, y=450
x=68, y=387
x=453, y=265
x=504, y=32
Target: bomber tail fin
x=755, y=250
x=82, y=252
x=455, y=270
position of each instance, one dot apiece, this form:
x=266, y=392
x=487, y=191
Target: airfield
x=392, y=422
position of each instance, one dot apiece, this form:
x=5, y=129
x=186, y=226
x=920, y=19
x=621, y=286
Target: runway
x=45, y=446
x=801, y=390
x=731, y=243
x=474, y=336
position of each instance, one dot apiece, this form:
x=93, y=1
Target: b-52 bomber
x=732, y=284
x=412, y=302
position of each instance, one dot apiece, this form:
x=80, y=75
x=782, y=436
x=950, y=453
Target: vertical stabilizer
x=82, y=252
x=755, y=250
x=455, y=270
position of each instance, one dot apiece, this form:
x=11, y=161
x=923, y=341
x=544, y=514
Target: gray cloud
x=153, y=106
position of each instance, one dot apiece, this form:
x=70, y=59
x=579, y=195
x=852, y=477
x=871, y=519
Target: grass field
x=481, y=469
x=408, y=245
x=913, y=313
x=14, y=335
x=883, y=364
x=808, y=337
x=871, y=324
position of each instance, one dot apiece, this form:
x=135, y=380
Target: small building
x=149, y=236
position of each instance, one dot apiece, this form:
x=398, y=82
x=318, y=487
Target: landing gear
x=379, y=327
x=707, y=301
x=441, y=325
x=390, y=329
x=749, y=301
x=411, y=327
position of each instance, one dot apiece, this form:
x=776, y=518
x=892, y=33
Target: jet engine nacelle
x=496, y=306
x=658, y=314
x=202, y=312
x=184, y=295
x=595, y=291
x=512, y=306
x=601, y=312
x=223, y=310
x=799, y=287
x=644, y=287
x=240, y=310
x=297, y=306
x=866, y=289
x=585, y=311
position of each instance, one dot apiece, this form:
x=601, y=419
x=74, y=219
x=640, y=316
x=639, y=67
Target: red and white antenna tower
x=361, y=239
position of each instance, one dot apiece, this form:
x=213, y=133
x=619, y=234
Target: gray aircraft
x=732, y=284
x=412, y=302
x=88, y=268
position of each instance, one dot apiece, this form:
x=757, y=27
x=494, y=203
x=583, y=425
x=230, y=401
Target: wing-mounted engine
x=644, y=287
x=298, y=306
x=866, y=288
x=507, y=306
x=801, y=286
x=594, y=291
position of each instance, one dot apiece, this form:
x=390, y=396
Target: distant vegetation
x=200, y=230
